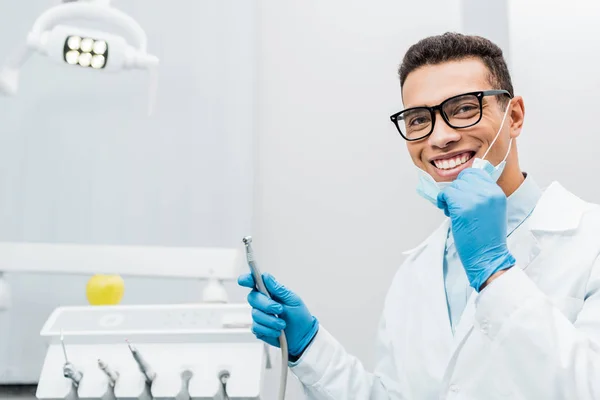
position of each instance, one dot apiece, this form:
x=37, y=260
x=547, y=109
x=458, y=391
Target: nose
x=443, y=135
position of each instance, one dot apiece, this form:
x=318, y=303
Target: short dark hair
x=454, y=47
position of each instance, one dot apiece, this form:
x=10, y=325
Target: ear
x=517, y=116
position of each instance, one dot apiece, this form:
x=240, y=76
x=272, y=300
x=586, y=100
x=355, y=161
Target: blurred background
x=272, y=119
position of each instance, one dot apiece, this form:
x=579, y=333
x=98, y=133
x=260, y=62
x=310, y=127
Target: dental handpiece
x=258, y=280
x=145, y=368
x=110, y=373
x=69, y=370
x=260, y=286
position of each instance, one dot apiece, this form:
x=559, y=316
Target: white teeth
x=452, y=162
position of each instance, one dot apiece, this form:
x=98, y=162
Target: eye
x=418, y=121
x=466, y=108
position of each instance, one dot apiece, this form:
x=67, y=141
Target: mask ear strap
x=508, y=151
x=498, y=134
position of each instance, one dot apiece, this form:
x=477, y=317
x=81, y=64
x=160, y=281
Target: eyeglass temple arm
x=496, y=92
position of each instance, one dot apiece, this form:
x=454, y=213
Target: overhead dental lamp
x=75, y=46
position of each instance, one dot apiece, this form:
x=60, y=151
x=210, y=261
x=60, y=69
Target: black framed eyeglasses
x=458, y=112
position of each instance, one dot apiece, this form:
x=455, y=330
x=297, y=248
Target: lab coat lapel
x=438, y=346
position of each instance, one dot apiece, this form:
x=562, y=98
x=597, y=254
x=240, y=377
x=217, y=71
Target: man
x=503, y=300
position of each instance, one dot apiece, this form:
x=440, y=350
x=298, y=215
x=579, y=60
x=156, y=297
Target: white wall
x=555, y=68
x=336, y=202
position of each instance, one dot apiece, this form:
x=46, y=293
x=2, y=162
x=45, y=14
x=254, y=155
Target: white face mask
x=429, y=189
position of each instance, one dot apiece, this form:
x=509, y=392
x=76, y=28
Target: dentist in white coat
x=503, y=300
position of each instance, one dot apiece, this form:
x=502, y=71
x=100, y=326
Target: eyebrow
x=451, y=96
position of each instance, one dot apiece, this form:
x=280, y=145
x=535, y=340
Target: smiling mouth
x=450, y=163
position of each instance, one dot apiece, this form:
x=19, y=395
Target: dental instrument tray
x=201, y=349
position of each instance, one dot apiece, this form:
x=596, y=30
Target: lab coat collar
x=521, y=203
x=557, y=210
x=442, y=230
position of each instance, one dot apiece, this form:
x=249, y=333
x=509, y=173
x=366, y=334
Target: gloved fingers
x=270, y=321
x=451, y=195
x=269, y=340
x=474, y=173
x=441, y=203
x=246, y=280
x=265, y=331
x=476, y=184
x=471, y=181
x=280, y=292
x=461, y=184
x=475, y=176
x=261, y=302
x=446, y=198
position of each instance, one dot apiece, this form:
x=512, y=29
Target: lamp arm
x=9, y=75
x=90, y=11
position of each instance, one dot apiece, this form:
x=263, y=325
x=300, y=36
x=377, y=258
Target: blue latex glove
x=476, y=206
x=284, y=311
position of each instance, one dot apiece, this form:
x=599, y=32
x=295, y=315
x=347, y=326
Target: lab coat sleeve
x=328, y=372
x=546, y=351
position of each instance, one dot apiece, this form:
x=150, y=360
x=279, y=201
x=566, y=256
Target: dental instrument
x=184, y=393
x=110, y=373
x=69, y=370
x=260, y=286
x=145, y=368
x=223, y=378
x=202, y=339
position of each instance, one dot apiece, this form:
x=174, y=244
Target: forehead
x=431, y=84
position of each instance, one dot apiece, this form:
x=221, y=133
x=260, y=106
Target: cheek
x=480, y=136
x=501, y=146
x=496, y=153
x=415, y=150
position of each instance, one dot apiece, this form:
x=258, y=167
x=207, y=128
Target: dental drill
x=260, y=286
x=112, y=376
x=143, y=365
x=110, y=373
x=69, y=370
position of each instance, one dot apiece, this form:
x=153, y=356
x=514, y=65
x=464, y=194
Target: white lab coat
x=534, y=333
